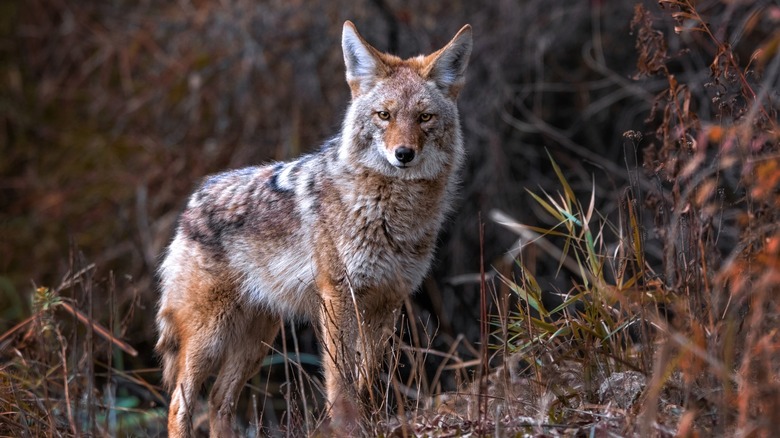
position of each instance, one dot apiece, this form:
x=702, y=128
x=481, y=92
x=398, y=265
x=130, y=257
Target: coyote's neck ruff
x=340, y=237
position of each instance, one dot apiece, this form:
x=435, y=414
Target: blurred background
x=112, y=111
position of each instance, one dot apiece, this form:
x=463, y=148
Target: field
x=612, y=267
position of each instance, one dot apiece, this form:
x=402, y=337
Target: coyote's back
x=338, y=237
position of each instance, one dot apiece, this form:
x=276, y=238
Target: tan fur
x=339, y=237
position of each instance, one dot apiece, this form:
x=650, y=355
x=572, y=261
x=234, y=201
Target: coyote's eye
x=384, y=115
x=425, y=117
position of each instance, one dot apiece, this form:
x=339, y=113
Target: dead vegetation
x=626, y=161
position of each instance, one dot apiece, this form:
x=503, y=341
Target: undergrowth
x=669, y=326
x=63, y=373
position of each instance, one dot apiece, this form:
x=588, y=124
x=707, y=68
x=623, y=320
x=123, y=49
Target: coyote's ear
x=362, y=60
x=448, y=65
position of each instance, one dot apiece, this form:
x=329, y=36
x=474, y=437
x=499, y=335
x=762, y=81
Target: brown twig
x=99, y=329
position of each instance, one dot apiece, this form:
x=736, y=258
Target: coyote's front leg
x=354, y=327
x=339, y=356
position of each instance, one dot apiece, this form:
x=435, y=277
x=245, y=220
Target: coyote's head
x=403, y=118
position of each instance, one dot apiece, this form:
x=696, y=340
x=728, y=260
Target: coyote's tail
x=168, y=349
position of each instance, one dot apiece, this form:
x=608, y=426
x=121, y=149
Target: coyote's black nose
x=404, y=154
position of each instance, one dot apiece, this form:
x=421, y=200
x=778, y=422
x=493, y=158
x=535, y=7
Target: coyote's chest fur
x=384, y=230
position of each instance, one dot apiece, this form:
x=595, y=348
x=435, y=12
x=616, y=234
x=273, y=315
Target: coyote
x=339, y=237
